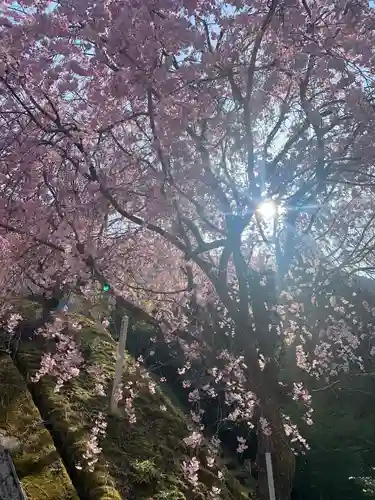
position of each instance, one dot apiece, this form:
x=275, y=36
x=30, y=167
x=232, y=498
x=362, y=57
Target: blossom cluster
x=12, y=322
x=93, y=449
x=65, y=362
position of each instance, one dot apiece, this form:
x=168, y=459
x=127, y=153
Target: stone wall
x=10, y=487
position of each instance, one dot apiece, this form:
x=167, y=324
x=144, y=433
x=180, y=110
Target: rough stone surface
x=8, y=442
x=10, y=487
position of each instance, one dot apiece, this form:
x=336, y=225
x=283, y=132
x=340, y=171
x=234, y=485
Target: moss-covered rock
x=38, y=464
x=139, y=461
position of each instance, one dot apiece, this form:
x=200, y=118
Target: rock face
x=35, y=458
x=7, y=441
x=10, y=487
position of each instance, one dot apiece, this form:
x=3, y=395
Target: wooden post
x=119, y=364
x=271, y=485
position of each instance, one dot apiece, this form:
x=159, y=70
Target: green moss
x=144, y=471
x=38, y=465
x=172, y=494
x=141, y=460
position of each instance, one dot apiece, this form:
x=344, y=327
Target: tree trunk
x=283, y=459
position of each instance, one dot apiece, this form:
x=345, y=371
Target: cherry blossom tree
x=214, y=156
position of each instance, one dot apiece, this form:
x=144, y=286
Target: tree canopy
x=212, y=163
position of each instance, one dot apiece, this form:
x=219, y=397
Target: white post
x=119, y=363
x=271, y=485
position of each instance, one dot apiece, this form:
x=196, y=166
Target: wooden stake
x=271, y=485
x=113, y=407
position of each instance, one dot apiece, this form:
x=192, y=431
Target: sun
x=267, y=209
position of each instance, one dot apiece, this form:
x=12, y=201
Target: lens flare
x=267, y=209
